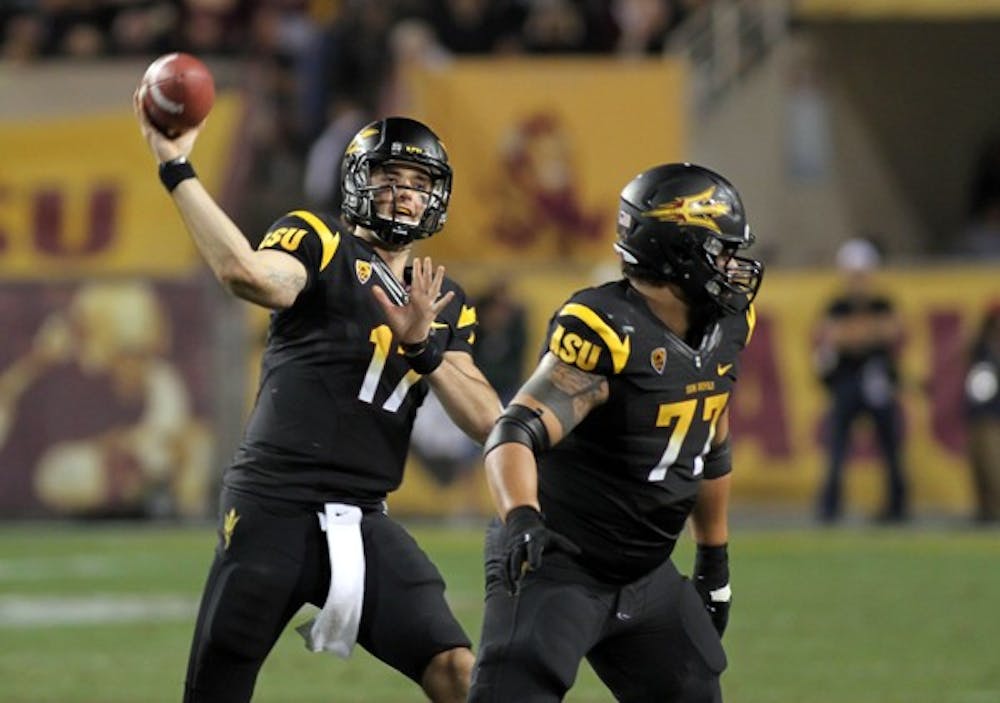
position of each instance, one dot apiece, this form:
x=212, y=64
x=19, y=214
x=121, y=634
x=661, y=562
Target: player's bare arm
x=563, y=393
x=466, y=395
x=267, y=278
x=710, y=517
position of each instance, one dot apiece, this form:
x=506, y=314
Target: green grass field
x=103, y=614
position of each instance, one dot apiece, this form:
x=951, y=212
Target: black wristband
x=523, y=518
x=711, y=564
x=424, y=357
x=173, y=172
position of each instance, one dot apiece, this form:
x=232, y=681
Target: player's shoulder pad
x=583, y=333
x=301, y=231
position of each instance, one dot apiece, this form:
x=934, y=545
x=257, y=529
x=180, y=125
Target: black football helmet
x=397, y=140
x=681, y=223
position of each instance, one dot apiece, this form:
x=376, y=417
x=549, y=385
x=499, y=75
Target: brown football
x=178, y=93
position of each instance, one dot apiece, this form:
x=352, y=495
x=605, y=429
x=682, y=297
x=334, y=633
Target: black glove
x=525, y=538
x=711, y=578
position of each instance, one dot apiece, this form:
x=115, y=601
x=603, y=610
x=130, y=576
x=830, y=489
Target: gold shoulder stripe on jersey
x=439, y=325
x=466, y=317
x=620, y=348
x=751, y=323
x=329, y=239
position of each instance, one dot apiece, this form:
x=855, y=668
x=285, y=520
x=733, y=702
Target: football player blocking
x=617, y=438
x=357, y=339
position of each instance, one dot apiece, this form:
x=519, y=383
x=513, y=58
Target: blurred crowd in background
x=35, y=29
x=331, y=64
x=316, y=70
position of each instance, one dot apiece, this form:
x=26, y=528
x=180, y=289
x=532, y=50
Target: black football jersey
x=622, y=483
x=337, y=400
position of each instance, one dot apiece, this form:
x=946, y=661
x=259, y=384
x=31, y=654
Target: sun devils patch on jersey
x=334, y=344
x=643, y=450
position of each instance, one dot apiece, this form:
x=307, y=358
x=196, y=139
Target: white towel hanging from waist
x=335, y=627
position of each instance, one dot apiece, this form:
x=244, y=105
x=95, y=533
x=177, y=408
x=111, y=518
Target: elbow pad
x=519, y=424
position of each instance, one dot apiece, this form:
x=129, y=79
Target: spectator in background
x=445, y=451
x=143, y=29
x=23, y=37
x=982, y=402
x=474, y=26
x=643, y=25
x=981, y=237
x=322, y=169
x=212, y=27
x=501, y=339
x=856, y=355
x=554, y=27
x=412, y=45
x=356, y=52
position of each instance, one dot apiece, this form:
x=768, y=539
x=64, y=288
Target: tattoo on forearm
x=568, y=392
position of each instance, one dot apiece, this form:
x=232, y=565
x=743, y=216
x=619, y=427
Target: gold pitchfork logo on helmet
x=699, y=210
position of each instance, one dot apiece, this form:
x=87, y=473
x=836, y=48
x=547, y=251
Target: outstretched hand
x=411, y=322
x=163, y=147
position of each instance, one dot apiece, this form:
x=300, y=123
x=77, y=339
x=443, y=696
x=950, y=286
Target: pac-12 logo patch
x=658, y=359
x=363, y=270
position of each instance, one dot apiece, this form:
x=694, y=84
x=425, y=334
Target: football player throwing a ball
x=358, y=336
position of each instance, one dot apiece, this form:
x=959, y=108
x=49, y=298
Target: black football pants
x=276, y=560
x=651, y=641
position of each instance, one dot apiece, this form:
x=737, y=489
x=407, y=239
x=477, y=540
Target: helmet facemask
x=732, y=281
x=706, y=269
x=362, y=194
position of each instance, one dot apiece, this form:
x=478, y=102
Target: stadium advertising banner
x=79, y=195
x=538, y=168
x=779, y=406
x=105, y=390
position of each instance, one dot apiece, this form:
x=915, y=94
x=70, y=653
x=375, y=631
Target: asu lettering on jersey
x=629, y=473
x=337, y=399
x=581, y=337
x=289, y=238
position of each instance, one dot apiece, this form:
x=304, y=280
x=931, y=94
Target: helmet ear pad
x=670, y=255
